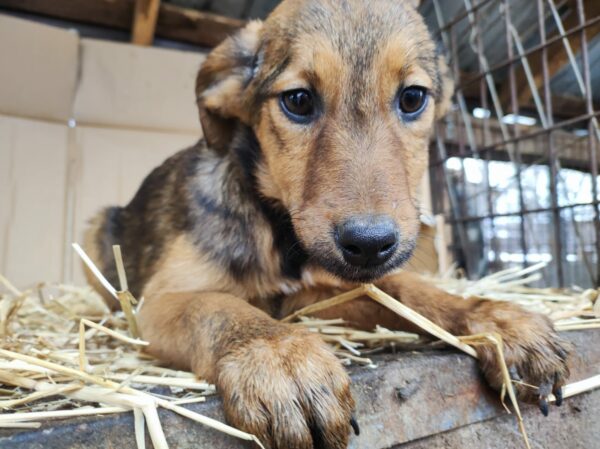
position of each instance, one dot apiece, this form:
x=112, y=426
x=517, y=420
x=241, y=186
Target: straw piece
x=114, y=334
x=8, y=309
x=10, y=287
x=38, y=395
x=361, y=360
x=210, y=422
x=127, y=300
x=124, y=295
x=189, y=384
x=575, y=388
x=18, y=365
x=189, y=400
x=21, y=425
x=577, y=326
x=322, y=305
x=405, y=312
x=138, y=425
x=94, y=269
x=154, y=427
x=120, y=268
x=83, y=363
x=10, y=419
x=496, y=340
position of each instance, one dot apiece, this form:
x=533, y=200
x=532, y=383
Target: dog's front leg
x=278, y=382
x=534, y=352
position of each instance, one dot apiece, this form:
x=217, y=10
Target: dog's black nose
x=367, y=240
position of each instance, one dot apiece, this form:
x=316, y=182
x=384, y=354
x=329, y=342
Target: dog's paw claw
x=544, y=405
x=558, y=394
x=355, y=426
x=514, y=374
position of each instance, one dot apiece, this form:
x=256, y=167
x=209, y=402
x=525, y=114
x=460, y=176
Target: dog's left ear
x=446, y=88
x=221, y=82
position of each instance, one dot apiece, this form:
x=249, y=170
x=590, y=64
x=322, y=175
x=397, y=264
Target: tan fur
x=183, y=269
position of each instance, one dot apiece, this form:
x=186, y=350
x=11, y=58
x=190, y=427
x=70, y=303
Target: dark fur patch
x=142, y=245
x=263, y=90
x=293, y=256
x=211, y=198
x=110, y=234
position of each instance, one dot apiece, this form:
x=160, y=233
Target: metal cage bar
x=521, y=187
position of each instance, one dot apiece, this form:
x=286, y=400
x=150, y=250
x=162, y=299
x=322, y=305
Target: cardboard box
x=127, y=86
x=33, y=164
x=132, y=108
x=38, y=71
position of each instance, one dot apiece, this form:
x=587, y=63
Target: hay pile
x=63, y=354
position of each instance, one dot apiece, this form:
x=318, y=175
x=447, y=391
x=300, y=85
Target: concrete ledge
x=413, y=400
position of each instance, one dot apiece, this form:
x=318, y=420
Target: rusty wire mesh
x=514, y=166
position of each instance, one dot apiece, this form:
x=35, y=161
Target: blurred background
x=94, y=93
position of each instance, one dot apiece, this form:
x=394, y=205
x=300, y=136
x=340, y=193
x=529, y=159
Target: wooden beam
x=195, y=27
x=144, y=21
x=109, y=13
x=568, y=106
x=557, y=55
x=175, y=23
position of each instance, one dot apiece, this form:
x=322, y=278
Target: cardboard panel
x=33, y=158
x=124, y=85
x=111, y=166
x=38, y=69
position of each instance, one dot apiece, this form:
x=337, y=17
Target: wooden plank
x=195, y=27
x=109, y=13
x=408, y=397
x=144, y=21
x=557, y=55
x=180, y=24
x=563, y=107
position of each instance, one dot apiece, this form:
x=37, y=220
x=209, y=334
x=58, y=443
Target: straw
x=407, y=313
x=82, y=351
x=124, y=295
x=95, y=271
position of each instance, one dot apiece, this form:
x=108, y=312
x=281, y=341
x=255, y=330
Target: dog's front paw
x=535, y=355
x=290, y=391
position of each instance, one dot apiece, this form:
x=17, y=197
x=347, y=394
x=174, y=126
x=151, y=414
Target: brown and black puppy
x=316, y=127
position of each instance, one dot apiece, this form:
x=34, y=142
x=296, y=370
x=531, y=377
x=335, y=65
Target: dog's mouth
x=359, y=248
x=338, y=265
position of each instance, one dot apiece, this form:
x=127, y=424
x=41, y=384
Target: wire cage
x=514, y=166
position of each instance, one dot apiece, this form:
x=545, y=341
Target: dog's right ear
x=221, y=83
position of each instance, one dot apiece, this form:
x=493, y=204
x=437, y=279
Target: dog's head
x=341, y=96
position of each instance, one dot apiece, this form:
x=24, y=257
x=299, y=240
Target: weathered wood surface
x=176, y=23
x=415, y=400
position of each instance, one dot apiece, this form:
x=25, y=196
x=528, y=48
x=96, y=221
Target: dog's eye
x=412, y=100
x=298, y=104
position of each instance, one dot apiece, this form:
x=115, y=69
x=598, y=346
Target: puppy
x=316, y=128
